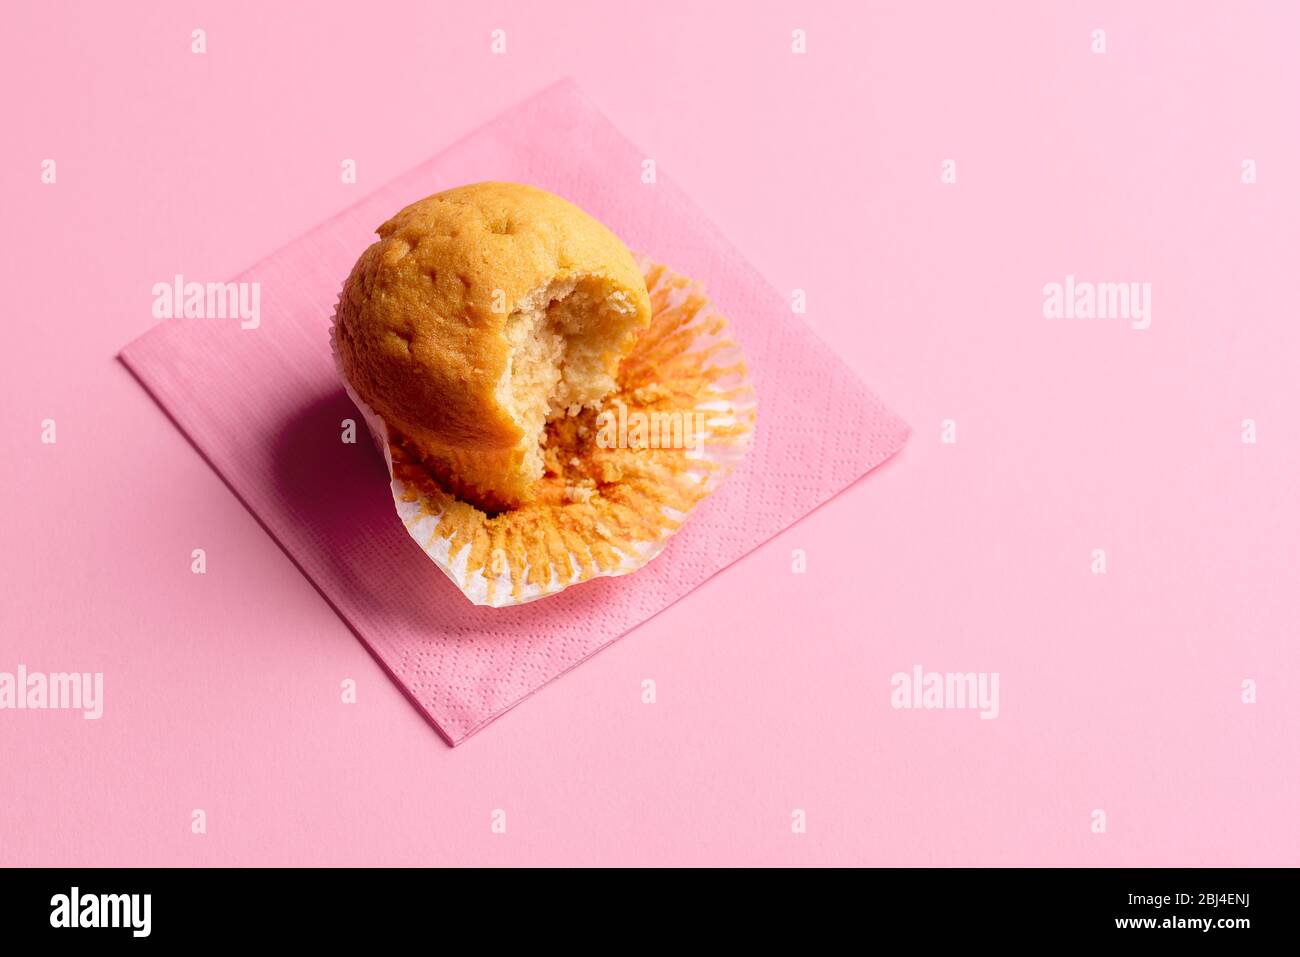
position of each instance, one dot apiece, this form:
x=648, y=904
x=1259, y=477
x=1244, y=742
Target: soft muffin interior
x=561, y=339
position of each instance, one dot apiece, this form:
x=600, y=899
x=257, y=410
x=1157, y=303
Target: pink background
x=1119, y=692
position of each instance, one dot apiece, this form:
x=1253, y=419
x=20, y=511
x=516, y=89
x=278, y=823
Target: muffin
x=551, y=408
x=481, y=314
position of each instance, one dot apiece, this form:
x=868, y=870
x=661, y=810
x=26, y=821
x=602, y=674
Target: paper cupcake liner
x=621, y=479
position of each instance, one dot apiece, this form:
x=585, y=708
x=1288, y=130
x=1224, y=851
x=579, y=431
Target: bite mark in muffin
x=480, y=315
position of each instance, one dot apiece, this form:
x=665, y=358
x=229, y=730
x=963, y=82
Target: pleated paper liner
x=619, y=481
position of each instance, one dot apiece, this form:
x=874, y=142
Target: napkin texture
x=266, y=409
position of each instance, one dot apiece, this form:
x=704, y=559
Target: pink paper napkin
x=265, y=408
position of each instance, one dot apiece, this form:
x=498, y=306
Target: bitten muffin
x=482, y=313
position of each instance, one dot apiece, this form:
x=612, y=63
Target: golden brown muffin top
x=421, y=318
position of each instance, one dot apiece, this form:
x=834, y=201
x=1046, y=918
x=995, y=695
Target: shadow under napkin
x=340, y=493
